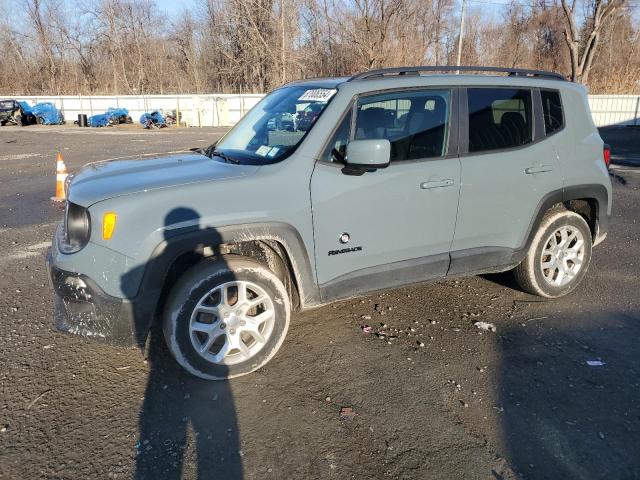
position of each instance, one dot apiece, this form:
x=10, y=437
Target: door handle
x=437, y=184
x=538, y=169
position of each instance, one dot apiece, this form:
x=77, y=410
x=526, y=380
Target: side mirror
x=367, y=155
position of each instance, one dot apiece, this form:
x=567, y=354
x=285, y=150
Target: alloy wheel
x=232, y=322
x=562, y=256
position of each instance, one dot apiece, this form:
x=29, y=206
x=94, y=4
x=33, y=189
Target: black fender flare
x=169, y=250
x=595, y=192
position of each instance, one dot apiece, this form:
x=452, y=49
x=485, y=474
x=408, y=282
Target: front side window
x=415, y=122
x=552, y=111
x=274, y=128
x=499, y=118
x=336, y=149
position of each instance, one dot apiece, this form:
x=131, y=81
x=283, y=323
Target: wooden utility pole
x=282, y=52
x=464, y=3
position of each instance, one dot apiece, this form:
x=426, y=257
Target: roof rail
x=513, y=72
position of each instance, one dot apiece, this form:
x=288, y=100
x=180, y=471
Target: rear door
x=507, y=169
x=393, y=225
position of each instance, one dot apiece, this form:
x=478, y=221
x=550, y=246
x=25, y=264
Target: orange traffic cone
x=61, y=176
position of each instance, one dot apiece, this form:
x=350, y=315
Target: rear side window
x=415, y=122
x=499, y=118
x=552, y=111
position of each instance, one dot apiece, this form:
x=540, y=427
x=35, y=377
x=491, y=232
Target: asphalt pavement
x=433, y=397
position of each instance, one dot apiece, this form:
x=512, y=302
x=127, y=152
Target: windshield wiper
x=226, y=158
x=206, y=151
x=211, y=152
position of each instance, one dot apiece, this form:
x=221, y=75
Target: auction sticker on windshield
x=263, y=150
x=317, y=95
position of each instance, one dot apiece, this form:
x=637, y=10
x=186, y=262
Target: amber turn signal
x=108, y=225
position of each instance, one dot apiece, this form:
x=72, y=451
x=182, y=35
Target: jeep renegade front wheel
x=558, y=257
x=226, y=317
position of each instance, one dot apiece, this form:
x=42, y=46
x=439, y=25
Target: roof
x=439, y=75
x=511, y=72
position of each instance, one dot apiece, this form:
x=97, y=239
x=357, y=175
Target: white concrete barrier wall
x=226, y=109
x=615, y=109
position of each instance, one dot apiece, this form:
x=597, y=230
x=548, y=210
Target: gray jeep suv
x=403, y=176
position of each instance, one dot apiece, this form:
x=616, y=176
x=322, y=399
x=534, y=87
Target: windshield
x=274, y=128
x=6, y=104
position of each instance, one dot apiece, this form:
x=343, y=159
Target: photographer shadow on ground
x=186, y=425
x=564, y=418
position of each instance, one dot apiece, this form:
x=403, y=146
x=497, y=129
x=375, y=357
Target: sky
x=490, y=9
x=173, y=7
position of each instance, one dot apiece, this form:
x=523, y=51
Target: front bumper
x=82, y=308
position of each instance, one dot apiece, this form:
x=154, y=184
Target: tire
x=556, y=245
x=40, y=120
x=195, y=302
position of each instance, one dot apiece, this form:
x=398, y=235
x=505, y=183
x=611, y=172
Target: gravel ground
x=433, y=396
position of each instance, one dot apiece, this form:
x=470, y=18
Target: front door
x=394, y=225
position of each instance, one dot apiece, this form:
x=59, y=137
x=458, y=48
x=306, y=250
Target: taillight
x=606, y=154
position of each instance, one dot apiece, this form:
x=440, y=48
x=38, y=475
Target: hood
x=109, y=179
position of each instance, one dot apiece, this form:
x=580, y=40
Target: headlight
x=77, y=228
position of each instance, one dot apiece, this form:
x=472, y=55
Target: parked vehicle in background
x=169, y=117
x=118, y=115
x=113, y=116
x=46, y=113
x=28, y=118
x=282, y=121
x=153, y=119
x=220, y=247
x=13, y=112
x=307, y=116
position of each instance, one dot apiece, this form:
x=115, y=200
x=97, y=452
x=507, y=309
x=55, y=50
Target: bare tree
x=38, y=11
x=129, y=46
x=619, y=52
x=583, y=43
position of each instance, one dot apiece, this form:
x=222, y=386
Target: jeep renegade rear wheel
x=558, y=257
x=226, y=317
